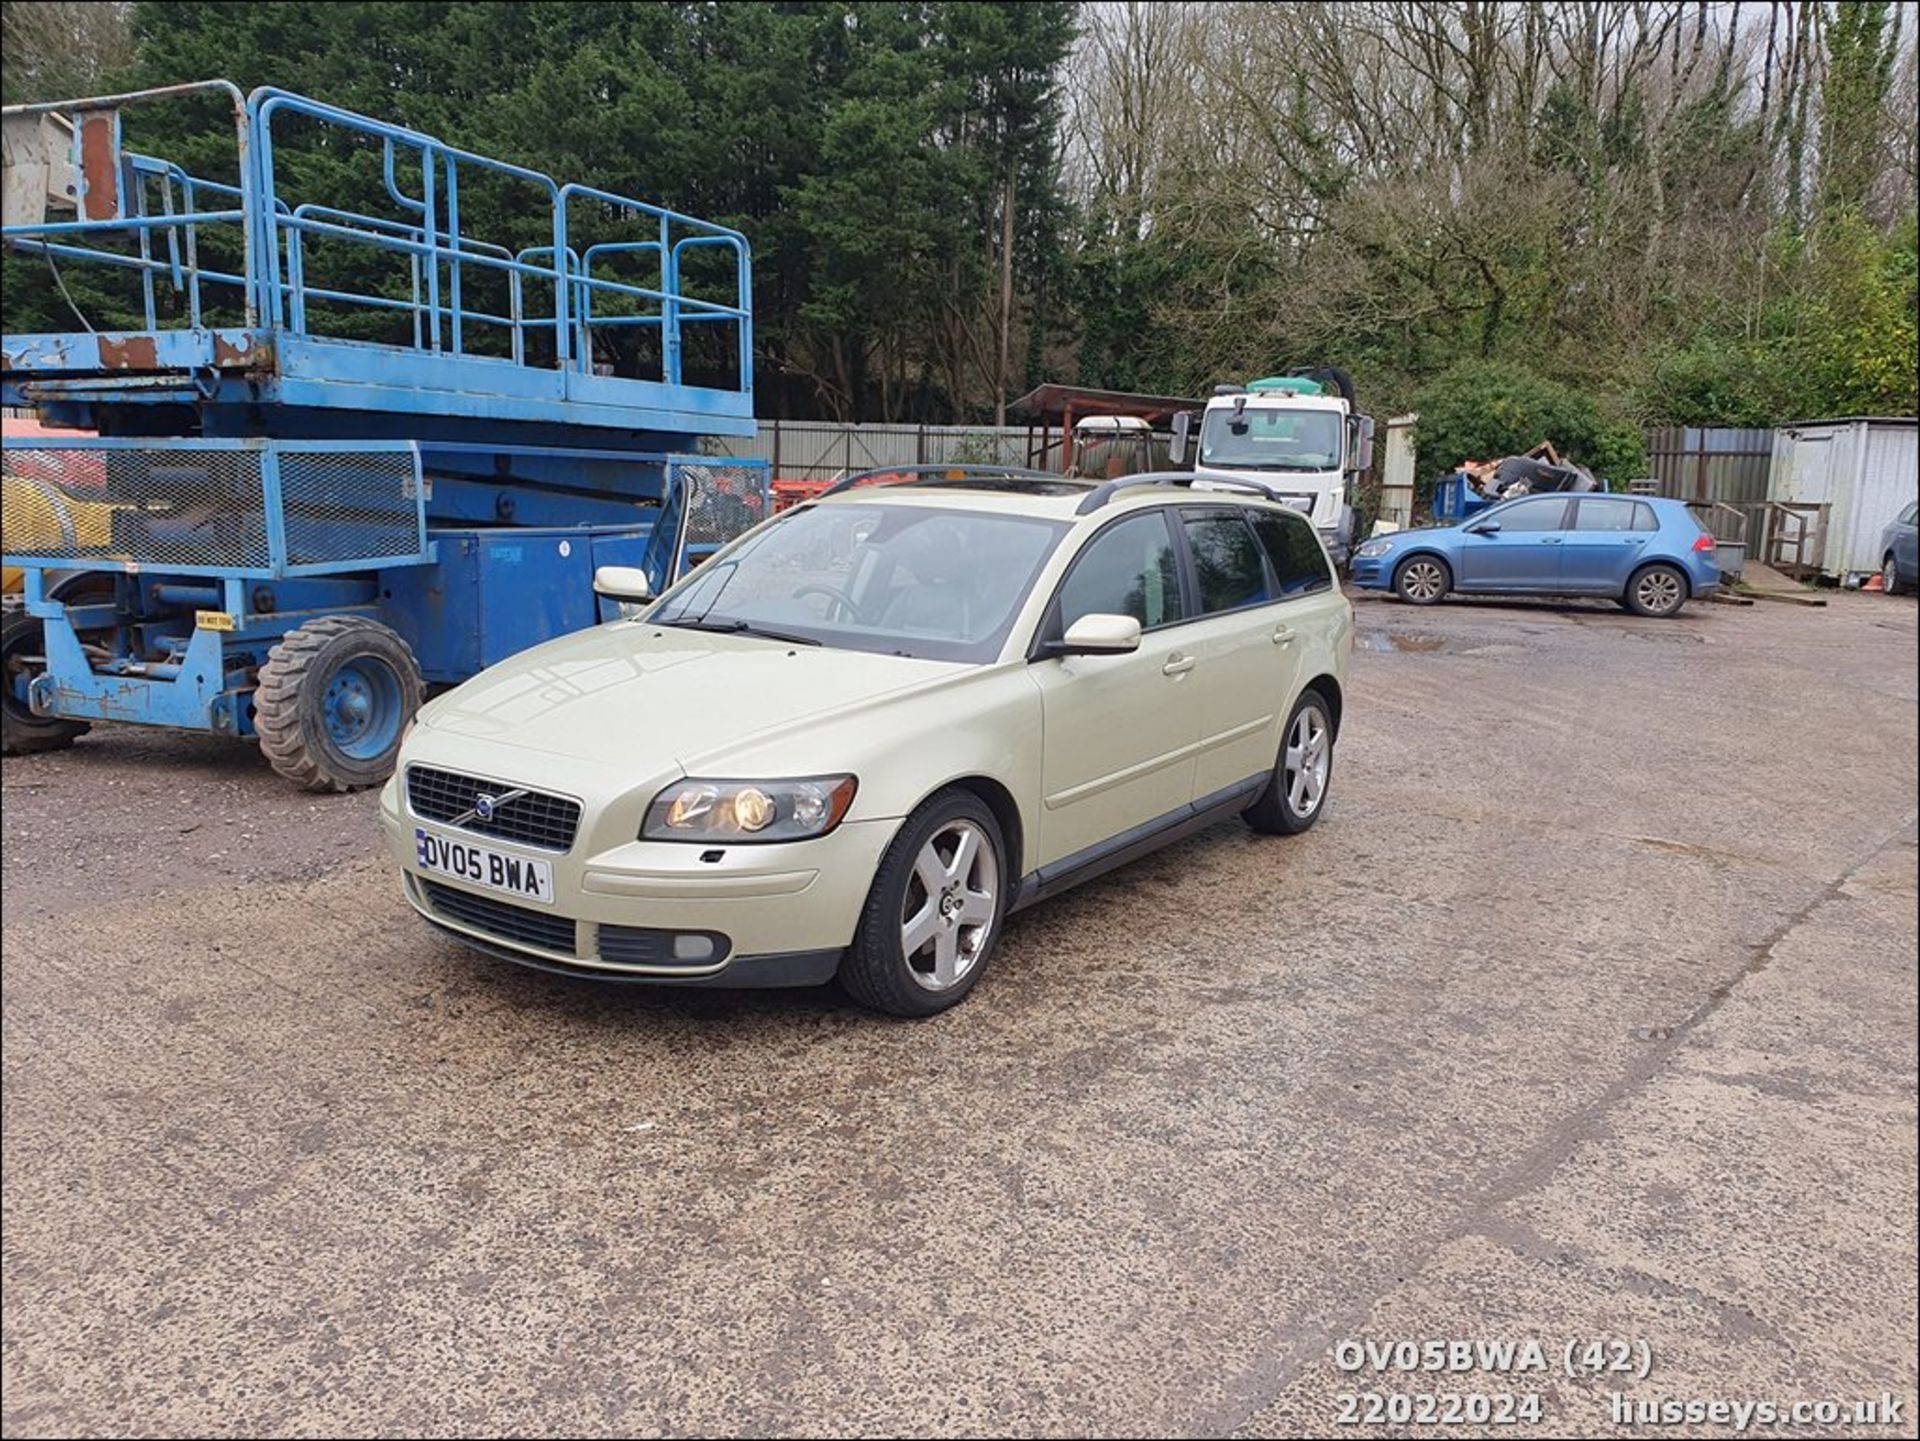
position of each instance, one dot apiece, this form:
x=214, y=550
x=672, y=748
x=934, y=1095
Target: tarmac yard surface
x=1587, y=1012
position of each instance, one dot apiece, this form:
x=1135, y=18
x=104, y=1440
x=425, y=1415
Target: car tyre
x=1890, y=575
x=1422, y=580
x=1657, y=591
x=935, y=911
x=1296, y=793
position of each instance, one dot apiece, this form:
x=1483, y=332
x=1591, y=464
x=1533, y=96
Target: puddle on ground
x=1387, y=640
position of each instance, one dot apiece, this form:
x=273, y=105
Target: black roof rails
x=1106, y=491
x=959, y=474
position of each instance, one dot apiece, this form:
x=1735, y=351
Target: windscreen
x=912, y=580
x=1265, y=438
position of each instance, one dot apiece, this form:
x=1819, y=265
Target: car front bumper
x=1371, y=572
x=769, y=914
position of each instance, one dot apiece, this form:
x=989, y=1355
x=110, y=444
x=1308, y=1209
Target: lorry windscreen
x=1271, y=439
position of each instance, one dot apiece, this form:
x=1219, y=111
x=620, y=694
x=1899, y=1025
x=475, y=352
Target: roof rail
x=1107, y=490
x=959, y=473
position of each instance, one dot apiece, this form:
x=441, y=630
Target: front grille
x=646, y=946
x=535, y=819
x=499, y=918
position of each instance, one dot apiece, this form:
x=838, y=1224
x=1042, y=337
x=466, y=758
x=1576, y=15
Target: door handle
x=1177, y=664
x=1636, y=540
x=1549, y=540
x=1283, y=635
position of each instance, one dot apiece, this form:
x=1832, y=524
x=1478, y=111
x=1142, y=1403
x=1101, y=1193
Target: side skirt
x=1138, y=841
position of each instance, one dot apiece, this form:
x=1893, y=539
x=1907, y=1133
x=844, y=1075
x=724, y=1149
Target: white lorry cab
x=1296, y=437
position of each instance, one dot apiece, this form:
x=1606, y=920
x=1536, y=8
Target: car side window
x=1907, y=515
x=1530, y=515
x=1127, y=569
x=1293, y=550
x=1226, y=561
x=1644, y=518
x=1603, y=512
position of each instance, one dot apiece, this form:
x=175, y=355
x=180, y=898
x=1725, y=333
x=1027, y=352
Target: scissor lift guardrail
x=149, y=215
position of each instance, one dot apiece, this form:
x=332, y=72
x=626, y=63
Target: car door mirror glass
x=1484, y=527
x=1099, y=634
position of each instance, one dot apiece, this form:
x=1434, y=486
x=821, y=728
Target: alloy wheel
x=1421, y=581
x=1658, y=591
x=1308, y=757
x=950, y=907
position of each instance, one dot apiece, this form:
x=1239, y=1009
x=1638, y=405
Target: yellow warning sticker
x=213, y=619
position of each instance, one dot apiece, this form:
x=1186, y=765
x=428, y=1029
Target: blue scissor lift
x=352, y=450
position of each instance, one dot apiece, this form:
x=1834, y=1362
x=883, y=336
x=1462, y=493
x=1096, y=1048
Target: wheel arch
x=1328, y=688
x=1429, y=552
x=995, y=796
x=1686, y=576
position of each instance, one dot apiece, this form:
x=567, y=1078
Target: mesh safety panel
x=171, y=505
x=347, y=505
x=725, y=497
x=178, y=506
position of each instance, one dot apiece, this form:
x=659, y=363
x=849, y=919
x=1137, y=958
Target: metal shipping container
x=1865, y=469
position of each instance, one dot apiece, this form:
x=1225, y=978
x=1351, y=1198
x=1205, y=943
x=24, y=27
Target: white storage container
x=1865, y=468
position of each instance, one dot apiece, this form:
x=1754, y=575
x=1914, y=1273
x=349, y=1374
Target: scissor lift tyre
x=334, y=700
x=21, y=731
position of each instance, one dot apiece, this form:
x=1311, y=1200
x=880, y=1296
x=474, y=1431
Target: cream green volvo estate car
x=857, y=739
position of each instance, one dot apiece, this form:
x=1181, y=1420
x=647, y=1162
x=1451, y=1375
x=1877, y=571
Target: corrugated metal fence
x=1711, y=463
x=820, y=449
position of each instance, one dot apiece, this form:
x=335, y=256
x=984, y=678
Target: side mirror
x=1363, y=452
x=1100, y=635
x=622, y=582
x=1484, y=527
x=1177, y=447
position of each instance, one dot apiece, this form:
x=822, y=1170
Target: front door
x=1118, y=731
x=1515, y=546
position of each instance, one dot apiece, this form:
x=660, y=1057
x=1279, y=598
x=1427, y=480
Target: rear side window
x=1645, y=519
x=1127, y=569
x=1600, y=512
x=1293, y=550
x=1532, y=515
x=1226, y=560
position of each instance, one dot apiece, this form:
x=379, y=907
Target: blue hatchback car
x=1650, y=555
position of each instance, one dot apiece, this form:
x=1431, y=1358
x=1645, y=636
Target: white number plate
x=484, y=866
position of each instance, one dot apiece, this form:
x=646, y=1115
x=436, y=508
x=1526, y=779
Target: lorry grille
x=509, y=922
x=545, y=822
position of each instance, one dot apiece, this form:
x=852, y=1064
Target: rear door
x=1607, y=540
x=1118, y=732
x=1245, y=662
x=1515, y=546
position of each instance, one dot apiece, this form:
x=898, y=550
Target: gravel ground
x=1588, y=1011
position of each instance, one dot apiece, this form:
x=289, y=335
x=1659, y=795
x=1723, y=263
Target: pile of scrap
x=1539, y=471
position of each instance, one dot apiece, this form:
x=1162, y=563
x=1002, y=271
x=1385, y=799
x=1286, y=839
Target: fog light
x=693, y=948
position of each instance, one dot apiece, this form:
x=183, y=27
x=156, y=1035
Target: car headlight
x=1374, y=548
x=740, y=811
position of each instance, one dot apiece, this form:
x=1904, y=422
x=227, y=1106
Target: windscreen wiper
x=742, y=627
